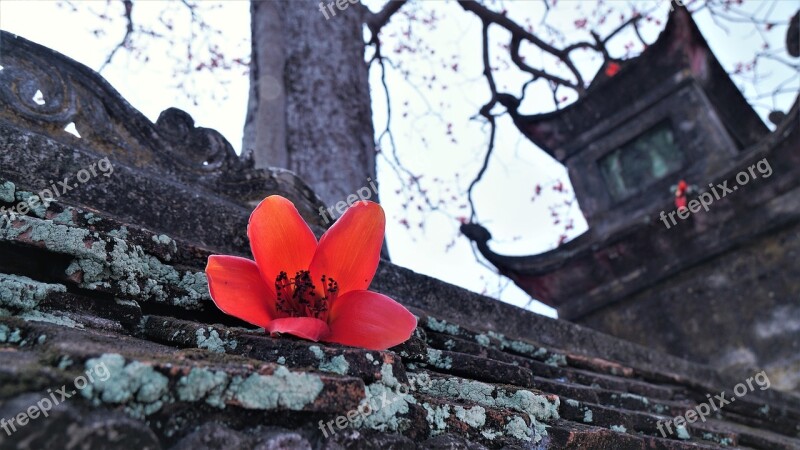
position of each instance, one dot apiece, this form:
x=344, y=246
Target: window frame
x=607, y=181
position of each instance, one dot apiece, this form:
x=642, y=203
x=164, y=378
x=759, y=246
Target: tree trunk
x=309, y=108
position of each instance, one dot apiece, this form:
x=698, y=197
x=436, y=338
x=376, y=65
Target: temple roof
x=679, y=51
x=598, y=268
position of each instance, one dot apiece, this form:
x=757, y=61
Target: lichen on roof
x=283, y=389
x=24, y=294
x=337, y=364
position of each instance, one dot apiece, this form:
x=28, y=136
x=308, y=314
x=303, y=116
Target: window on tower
x=642, y=161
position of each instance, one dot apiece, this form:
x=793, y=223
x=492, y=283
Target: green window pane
x=641, y=162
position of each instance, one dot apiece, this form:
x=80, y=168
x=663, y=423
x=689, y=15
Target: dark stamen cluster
x=298, y=297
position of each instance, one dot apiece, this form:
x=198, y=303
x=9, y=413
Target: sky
x=433, y=109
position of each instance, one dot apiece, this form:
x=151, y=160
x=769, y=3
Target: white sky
x=420, y=114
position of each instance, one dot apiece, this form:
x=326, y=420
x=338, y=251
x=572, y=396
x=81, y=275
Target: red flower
x=312, y=290
x=612, y=68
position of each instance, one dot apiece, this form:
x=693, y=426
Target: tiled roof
x=80, y=289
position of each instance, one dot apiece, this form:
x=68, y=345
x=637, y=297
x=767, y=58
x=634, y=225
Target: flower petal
x=237, y=289
x=305, y=327
x=280, y=239
x=369, y=320
x=350, y=250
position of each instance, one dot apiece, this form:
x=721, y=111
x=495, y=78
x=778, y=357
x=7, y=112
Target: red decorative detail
x=680, y=195
x=612, y=68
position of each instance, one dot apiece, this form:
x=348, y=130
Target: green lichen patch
x=639, y=398
x=7, y=191
x=538, y=407
x=66, y=217
x=386, y=404
x=386, y=408
x=91, y=219
x=213, y=342
x=556, y=360
x=282, y=389
x=203, y=384
x=387, y=376
x=163, y=239
x=619, y=428
x=20, y=293
x=723, y=441
x=529, y=350
x=474, y=417
x=111, y=263
x=122, y=233
x=54, y=318
x=436, y=359
x=491, y=434
x=142, y=389
x=442, y=326
x=337, y=364
x=65, y=362
x=33, y=202
x=41, y=316
x=54, y=237
x=10, y=335
x=437, y=417
x=517, y=428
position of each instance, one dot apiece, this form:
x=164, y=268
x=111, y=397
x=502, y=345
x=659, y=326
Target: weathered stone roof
x=94, y=281
x=86, y=289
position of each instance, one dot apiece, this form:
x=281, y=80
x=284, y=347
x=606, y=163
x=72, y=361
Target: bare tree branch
x=486, y=112
x=376, y=21
x=126, y=38
x=490, y=17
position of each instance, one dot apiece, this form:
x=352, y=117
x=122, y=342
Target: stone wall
x=751, y=320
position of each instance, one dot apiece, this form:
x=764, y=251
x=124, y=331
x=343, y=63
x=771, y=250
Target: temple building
x=718, y=282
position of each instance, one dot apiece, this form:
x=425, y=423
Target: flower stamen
x=298, y=297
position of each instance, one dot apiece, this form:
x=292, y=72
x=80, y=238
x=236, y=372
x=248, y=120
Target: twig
x=125, y=39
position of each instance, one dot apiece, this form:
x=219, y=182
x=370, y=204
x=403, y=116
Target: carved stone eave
x=171, y=158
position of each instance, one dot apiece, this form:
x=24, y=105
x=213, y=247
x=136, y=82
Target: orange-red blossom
x=313, y=290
